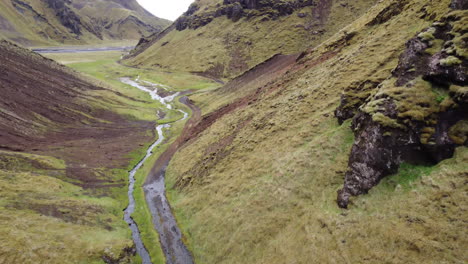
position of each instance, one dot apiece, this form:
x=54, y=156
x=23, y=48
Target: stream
x=163, y=220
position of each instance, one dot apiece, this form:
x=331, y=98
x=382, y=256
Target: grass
x=104, y=66
x=269, y=196
x=42, y=207
x=406, y=176
x=227, y=49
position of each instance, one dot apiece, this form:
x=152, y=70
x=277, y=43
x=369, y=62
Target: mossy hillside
x=234, y=47
x=265, y=193
x=421, y=100
x=38, y=206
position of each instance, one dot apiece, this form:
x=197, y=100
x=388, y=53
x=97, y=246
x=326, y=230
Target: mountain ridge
x=224, y=39
x=45, y=22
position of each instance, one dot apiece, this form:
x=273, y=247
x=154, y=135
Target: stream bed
x=163, y=220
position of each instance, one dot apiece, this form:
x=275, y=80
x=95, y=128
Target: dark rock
x=459, y=4
x=344, y=112
x=66, y=16
x=389, y=12
x=125, y=256
x=236, y=12
x=192, y=9
x=181, y=23
x=237, y=9
x=380, y=147
x=440, y=71
x=412, y=62
x=143, y=41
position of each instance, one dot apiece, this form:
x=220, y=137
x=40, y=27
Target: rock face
x=419, y=115
x=237, y=9
x=67, y=17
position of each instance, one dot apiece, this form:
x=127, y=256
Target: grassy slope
x=46, y=218
x=103, y=66
x=33, y=235
x=269, y=196
x=229, y=48
x=28, y=30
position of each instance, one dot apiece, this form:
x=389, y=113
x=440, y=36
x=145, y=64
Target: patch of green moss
x=459, y=132
x=427, y=35
x=450, y=61
x=386, y=121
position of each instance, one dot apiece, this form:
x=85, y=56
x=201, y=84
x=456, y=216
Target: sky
x=168, y=9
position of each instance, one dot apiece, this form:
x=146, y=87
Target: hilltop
x=55, y=22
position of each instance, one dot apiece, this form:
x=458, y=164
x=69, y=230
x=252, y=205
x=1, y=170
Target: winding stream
x=164, y=221
x=141, y=250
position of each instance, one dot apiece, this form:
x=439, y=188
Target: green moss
x=459, y=132
x=450, y=61
x=427, y=35
x=386, y=121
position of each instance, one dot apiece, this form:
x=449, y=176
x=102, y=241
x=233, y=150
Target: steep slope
x=42, y=22
x=66, y=146
x=257, y=180
x=222, y=39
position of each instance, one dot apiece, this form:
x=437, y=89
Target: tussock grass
x=45, y=219
x=269, y=196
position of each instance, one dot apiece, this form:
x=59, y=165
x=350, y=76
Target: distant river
x=80, y=49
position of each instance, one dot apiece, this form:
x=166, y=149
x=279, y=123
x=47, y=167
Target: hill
x=374, y=119
x=222, y=39
x=63, y=178
x=55, y=22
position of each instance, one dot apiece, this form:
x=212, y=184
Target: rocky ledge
x=419, y=115
x=237, y=9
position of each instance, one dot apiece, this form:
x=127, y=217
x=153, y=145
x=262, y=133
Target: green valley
x=246, y=131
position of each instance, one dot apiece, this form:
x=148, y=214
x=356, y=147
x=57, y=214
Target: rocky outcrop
x=66, y=16
x=419, y=115
x=459, y=4
x=237, y=9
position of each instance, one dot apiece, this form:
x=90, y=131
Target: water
x=155, y=192
x=166, y=101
